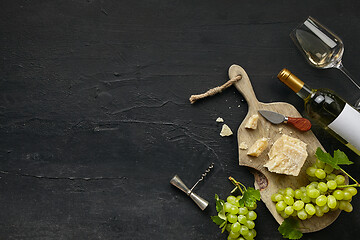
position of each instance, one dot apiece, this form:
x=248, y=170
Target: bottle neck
x=305, y=92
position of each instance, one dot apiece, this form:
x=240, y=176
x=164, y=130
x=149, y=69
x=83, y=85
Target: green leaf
x=219, y=203
x=217, y=220
x=250, y=197
x=290, y=229
x=220, y=207
x=339, y=158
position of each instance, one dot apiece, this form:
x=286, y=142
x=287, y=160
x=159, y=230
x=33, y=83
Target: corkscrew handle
x=302, y=124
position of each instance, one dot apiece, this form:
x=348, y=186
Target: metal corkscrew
x=177, y=182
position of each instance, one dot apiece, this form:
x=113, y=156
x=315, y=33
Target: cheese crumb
x=226, y=131
x=252, y=122
x=287, y=156
x=219, y=119
x=243, y=146
x=258, y=147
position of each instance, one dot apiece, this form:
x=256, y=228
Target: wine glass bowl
x=321, y=48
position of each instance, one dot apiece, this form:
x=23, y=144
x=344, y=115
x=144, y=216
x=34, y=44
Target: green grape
x=253, y=207
x=328, y=169
x=228, y=227
x=284, y=215
x=347, y=195
x=351, y=190
x=331, y=184
x=278, y=197
x=319, y=164
x=340, y=180
x=234, y=210
x=297, y=193
x=253, y=232
x=313, y=193
x=302, y=214
x=289, y=192
x=249, y=236
x=302, y=189
x=336, y=207
x=235, y=227
x=234, y=234
x=273, y=197
x=305, y=198
x=325, y=208
x=310, y=171
x=250, y=224
x=346, y=206
x=330, y=176
x=232, y=218
x=309, y=187
x=321, y=200
x=314, y=184
x=281, y=191
x=227, y=206
x=280, y=206
x=320, y=174
x=244, y=230
x=338, y=194
x=242, y=219
x=322, y=187
x=318, y=211
x=231, y=199
x=298, y=205
x=289, y=200
x=289, y=210
x=243, y=210
x=240, y=238
x=310, y=209
x=237, y=201
x=251, y=215
x=331, y=202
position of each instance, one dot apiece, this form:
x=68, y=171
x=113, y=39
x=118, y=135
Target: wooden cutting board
x=267, y=182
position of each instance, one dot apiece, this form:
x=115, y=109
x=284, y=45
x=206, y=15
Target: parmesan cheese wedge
x=287, y=156
x=243, y=146
x=252, y=122
x=225, y=131
x=258, y=147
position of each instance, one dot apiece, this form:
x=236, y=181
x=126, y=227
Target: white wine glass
x=321, y=47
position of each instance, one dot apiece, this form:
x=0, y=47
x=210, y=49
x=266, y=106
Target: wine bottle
x=329, y=110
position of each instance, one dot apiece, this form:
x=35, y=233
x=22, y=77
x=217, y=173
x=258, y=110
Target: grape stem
x=352, y=185
x=238, y=185
x=356, y=182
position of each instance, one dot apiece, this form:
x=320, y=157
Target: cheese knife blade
x=302, y=124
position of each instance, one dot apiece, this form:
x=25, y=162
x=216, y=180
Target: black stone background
x=99, y=90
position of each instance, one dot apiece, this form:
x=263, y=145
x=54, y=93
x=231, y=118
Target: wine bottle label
x=347, y=125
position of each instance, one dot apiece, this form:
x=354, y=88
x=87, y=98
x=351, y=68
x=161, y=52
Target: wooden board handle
x=244, y=85
x=302, y=124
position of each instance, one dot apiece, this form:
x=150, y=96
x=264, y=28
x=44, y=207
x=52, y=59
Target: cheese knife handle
x=302, y=124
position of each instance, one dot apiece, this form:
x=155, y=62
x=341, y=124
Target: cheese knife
x=302, y=124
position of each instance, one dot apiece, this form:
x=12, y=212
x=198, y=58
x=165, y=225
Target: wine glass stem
x=346, y=72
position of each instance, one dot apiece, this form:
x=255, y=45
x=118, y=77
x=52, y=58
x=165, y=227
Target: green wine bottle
x=328, y=109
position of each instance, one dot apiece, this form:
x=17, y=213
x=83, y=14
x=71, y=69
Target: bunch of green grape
x=326, y=192
x=240, y=220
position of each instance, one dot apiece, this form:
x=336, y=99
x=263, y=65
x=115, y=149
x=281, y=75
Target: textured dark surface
x=99, y=90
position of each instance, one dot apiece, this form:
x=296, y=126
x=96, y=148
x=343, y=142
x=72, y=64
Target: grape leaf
x=339, y=158
x=219, y=203
x=249, y=197
x=289, y=229
x=220, y=207
x=217, y=220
